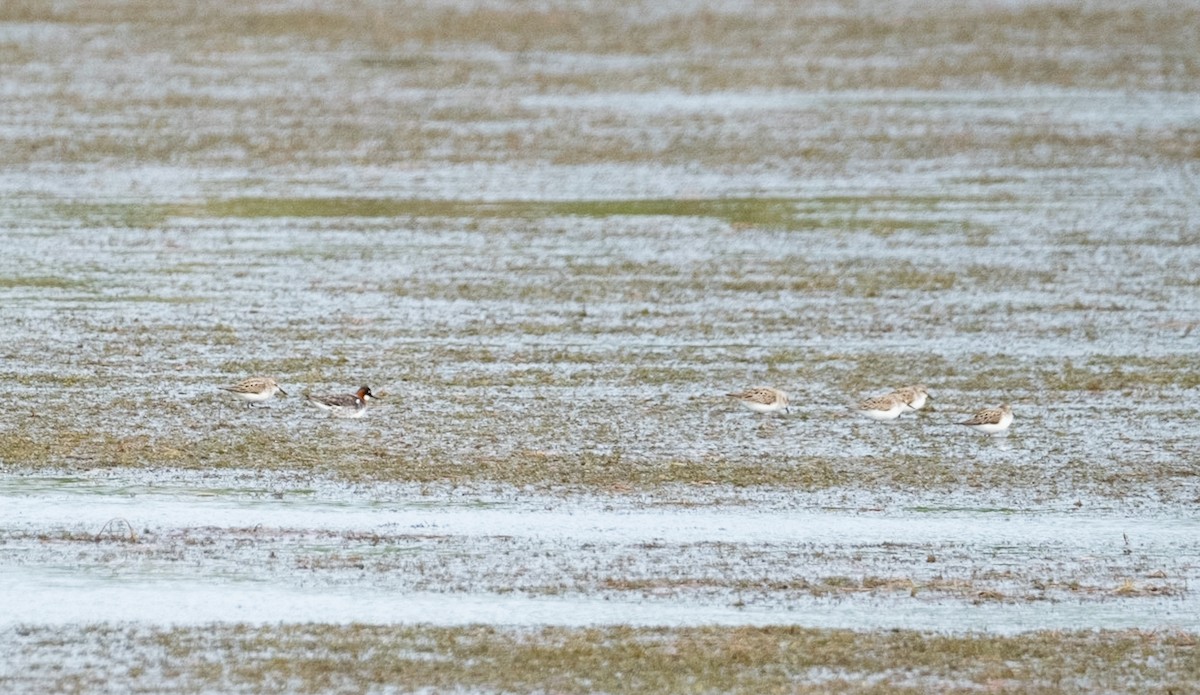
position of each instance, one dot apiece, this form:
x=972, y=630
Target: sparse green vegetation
x=877, y=215
x=362, y=455
x=554, y=237
x=344, y=658
x=119, y=215
x=40, y=282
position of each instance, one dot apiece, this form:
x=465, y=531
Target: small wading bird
x=990, y=421
x=886, y=407
x=763, y=399
x=344, y=404
x=913, y=396
x=256, y=389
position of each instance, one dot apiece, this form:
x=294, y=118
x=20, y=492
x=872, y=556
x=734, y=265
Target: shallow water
x=1026, y=237
x=233, y=553
x=61, y=600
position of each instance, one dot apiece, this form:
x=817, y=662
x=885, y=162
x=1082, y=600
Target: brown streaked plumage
x=913, y=396
x=762, y=399
x=990, y=420
x=886, y=407
x=256, y=389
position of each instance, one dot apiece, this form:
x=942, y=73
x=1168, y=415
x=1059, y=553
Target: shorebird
x=762, y=399
x=256, y=389
x=886, y=407
x=344, y=404
x=991, y=420
x=913, y=396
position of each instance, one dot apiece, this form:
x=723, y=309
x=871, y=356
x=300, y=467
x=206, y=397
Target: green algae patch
x=882, y=216
x=775, y=212
x=42, y=282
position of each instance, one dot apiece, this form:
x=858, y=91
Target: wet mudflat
x=200, y=554
x=552, y=240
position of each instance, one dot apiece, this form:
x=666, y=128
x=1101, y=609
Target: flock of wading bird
x=889, y=406
x=762, y=399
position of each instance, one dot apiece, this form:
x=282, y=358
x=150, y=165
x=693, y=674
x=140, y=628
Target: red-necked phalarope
x=344, y=404
x=256, y=389
x=762, y=399
x=991, y=420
